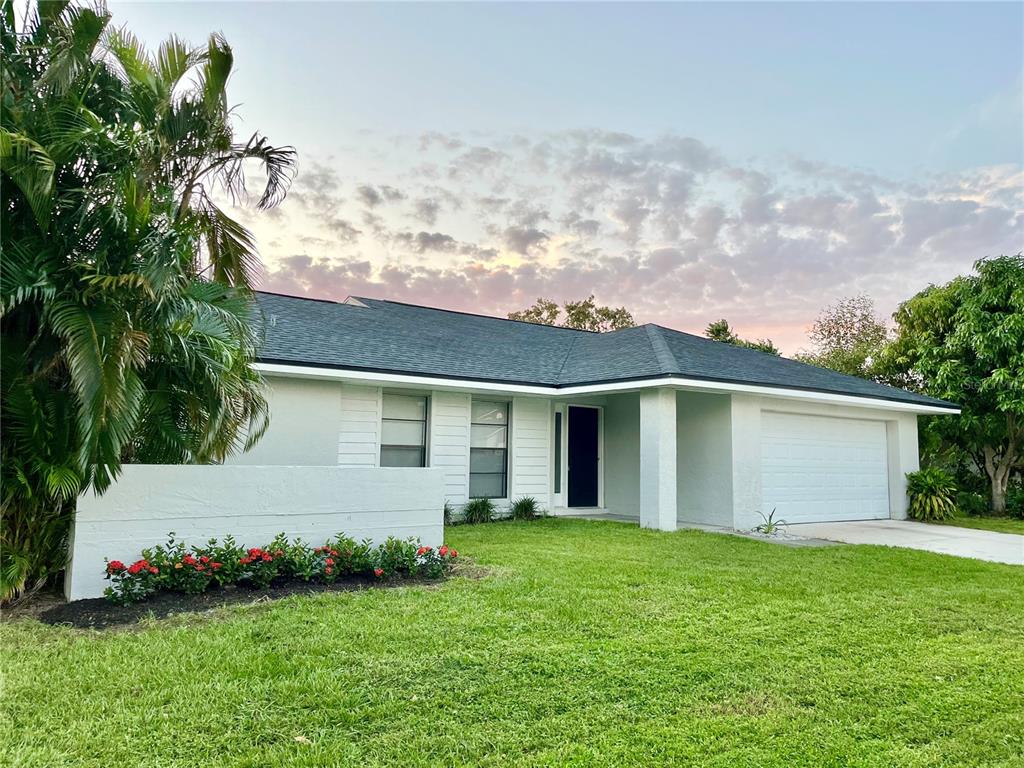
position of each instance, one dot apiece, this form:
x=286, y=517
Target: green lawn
x=590, y=643
x=998, y=524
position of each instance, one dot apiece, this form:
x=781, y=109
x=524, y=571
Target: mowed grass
x=589, y=643
x=997, y=524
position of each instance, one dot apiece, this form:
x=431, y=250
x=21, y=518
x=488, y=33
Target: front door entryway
x=582, y=455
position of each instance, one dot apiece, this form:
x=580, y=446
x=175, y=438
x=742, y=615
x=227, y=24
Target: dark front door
x=582, y=457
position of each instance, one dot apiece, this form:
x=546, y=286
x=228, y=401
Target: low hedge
x=175, y=567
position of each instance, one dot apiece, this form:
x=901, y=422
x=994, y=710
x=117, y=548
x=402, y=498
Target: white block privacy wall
x=251, y=503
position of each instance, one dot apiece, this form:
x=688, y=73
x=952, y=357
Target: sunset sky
x=691, y=162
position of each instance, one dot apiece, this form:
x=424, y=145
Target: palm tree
x=127, y=316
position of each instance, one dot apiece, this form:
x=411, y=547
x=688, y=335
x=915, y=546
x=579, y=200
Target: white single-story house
x=646, y=423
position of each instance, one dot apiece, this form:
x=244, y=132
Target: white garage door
x=816, y=468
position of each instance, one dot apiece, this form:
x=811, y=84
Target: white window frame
x=508, y=449
x=426, y=426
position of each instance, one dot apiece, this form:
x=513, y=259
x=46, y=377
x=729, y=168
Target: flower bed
x=175, y=567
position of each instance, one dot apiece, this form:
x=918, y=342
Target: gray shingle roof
x=388, y=336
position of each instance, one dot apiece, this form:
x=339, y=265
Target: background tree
x=584, y=315
x=847, y=337
x=964, y=342
x=720, y=331
x=128, y=324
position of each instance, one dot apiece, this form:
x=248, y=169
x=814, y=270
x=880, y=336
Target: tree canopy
x=964, y=342
x=720, y=331
x=848, y=337
x=584, y=315
x=128, y=322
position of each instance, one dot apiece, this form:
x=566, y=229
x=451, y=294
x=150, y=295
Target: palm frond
x=214, y=75
x=27, y=164
x=73, y=42
x=230, y=247
x=278, y=163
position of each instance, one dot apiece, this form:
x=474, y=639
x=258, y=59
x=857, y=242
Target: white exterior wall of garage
x=735, y=454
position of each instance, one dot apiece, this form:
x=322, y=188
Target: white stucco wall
x=622, y=454
x=252, y=503
x=304, y=420
x=704, y=457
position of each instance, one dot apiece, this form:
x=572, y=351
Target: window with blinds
x=488, y=450
x=403, y=431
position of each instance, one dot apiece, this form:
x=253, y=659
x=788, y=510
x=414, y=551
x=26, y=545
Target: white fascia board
x=400, y=380
x=675, y=382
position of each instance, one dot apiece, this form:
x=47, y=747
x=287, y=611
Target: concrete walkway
x=945, y=539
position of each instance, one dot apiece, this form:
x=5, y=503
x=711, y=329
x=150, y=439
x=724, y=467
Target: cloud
x=522, y=239
x=426, y=209
x=371, y=196
x=434, y=241
x=666, y=226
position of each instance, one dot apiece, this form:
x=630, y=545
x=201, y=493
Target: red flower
x=204, y=559
x=329, y=561
x=378, y=572
x=328, y=570
x=266, y=557
x=334, y=553
x=245, y=560
x=452, y=553
x=279, y=553
x=215, y=566
x=443, y=550
x=200, y=567
x=115, y=565
x=154, y=570
x=422, y=551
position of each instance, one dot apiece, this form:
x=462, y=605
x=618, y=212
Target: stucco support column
x=901, y=439
x=658, y=459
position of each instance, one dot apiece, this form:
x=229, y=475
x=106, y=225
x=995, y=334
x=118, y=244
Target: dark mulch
x=98, y=613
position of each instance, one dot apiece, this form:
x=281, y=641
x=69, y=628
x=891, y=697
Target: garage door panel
x=817, y=468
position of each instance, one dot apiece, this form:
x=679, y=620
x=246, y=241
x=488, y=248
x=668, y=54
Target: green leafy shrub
x=262, y=566
x=396, y=556
x=175, y=567
x=353, y=557
x=525, y=508
x=448, y=512
x=1015, y=500
x=131, y=583
x=181, y=570
x=435, y=563
x=972, y=503
x=229, y=554
x=478, y=511
x=932, y=492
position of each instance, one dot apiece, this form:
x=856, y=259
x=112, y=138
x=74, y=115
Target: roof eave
x=410, y=378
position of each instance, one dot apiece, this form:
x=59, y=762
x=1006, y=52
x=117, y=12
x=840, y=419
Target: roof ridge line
x=466, y=313
x=666, y=360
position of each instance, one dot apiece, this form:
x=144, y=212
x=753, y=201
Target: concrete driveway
x=945, y=539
